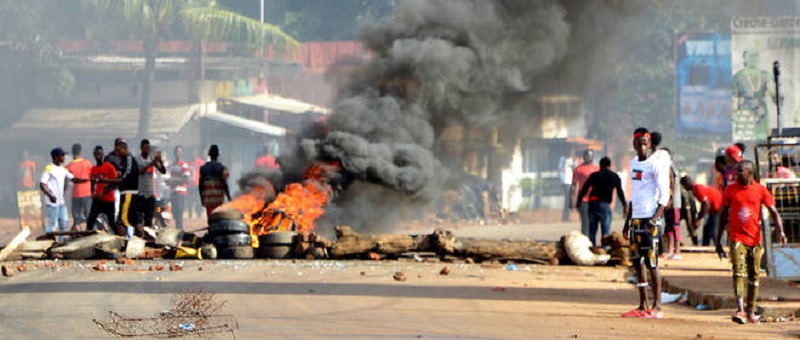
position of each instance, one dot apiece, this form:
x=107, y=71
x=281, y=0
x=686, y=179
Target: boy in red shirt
x=103, y=198
x=81, y=193
x=741, y=211
x=710, y=203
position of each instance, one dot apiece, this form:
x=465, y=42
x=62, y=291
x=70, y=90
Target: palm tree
x=151, y=20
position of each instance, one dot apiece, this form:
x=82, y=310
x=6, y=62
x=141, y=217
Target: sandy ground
x=329, y=299
x=361, y=300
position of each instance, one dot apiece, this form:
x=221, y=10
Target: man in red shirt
x=267, y=160
x=27, y=169
x=81, y=192
x=180, y=175
x=579, y=178
x=710, y=202
x=103, y=198
x=741, y=212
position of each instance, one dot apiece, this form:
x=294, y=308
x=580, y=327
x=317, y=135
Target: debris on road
x=399, y=276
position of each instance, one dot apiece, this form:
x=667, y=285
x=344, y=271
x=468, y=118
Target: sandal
x=754, y=319
x=739, y=318
x=635, y=313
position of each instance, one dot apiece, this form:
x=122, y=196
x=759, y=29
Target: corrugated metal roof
x=96, y=123
x=278, y=103
x=244, y=123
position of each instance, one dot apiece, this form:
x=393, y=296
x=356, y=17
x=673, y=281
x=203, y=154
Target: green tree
x=152, y=20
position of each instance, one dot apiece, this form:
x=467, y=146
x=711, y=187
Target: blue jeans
x=57, y=213
x=599, y=213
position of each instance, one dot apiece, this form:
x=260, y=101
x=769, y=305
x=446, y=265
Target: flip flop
x=635, y=313
x=739, y=318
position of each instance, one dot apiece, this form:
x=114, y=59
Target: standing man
x=147, y=188
x=102, y=174
x=602, y=184
x=53, y=183
x=579, y=177
x=566, y=166
x=193, y=199
x=213, y=182
x=710, y=204
x=129, y=205
x=27, y=169
x=649, y=198
x=81, y=192
x=115, y=159
x=741, y=212
x=179, y=185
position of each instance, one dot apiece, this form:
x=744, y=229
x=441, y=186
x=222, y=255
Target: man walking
x=53, y=182
x=102, y=175
x=579, y=177
x=147, y=191
x=741, y=212
x=602, y=184
x=649, y=198
x=213, y=182
x=179, y=184
x=710, y=203
x=81, y=192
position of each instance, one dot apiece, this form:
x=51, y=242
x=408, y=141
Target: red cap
x=734, y=152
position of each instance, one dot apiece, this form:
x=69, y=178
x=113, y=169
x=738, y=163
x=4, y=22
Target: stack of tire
x=277, y=245
x=230, y=235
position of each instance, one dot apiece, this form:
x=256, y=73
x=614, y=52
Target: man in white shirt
x=53, y=184
x=566, y=165
x=650, y=194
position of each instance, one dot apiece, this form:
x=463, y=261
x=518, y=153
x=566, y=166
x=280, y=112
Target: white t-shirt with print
x=649, y=187
x=54, y=177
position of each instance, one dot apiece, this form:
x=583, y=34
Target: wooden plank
x=15, y=243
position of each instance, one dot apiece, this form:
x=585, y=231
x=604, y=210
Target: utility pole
x=776, y=72
x=262, y=11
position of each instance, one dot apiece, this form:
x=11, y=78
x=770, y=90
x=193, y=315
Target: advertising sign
x=756, y=43
x=704, y=84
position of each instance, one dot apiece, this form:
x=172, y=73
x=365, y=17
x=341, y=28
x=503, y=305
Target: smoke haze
x=435, y=64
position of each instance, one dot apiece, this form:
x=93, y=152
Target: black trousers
x=147, y=209
x=101, y=207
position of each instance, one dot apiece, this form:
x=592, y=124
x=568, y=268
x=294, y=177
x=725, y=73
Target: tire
x=227, y=214
x=226, y=227
x=281, y=238
x=241, y=253
x=274, y=252
x=232, y=240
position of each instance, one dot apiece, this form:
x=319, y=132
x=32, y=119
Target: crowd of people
x=659, y=200
x=129, y=191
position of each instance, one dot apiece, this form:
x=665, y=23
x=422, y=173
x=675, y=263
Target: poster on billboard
x=704, y=82
x=756, y=43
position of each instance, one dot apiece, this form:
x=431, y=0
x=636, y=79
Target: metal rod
x=776, y=72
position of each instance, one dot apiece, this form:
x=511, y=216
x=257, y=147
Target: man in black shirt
x=602, y=184
x=128, y=191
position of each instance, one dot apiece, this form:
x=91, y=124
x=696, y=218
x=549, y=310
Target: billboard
x=703, y=84
x=757, y=42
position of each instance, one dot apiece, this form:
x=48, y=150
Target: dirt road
x=308, y=300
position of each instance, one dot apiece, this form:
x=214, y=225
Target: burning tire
x=233, y=240
x=227, y=227
x=240, y=253
x=225, y=215
x=276, y=245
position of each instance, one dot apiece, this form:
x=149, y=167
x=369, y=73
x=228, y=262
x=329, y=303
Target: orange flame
x=294, y=209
